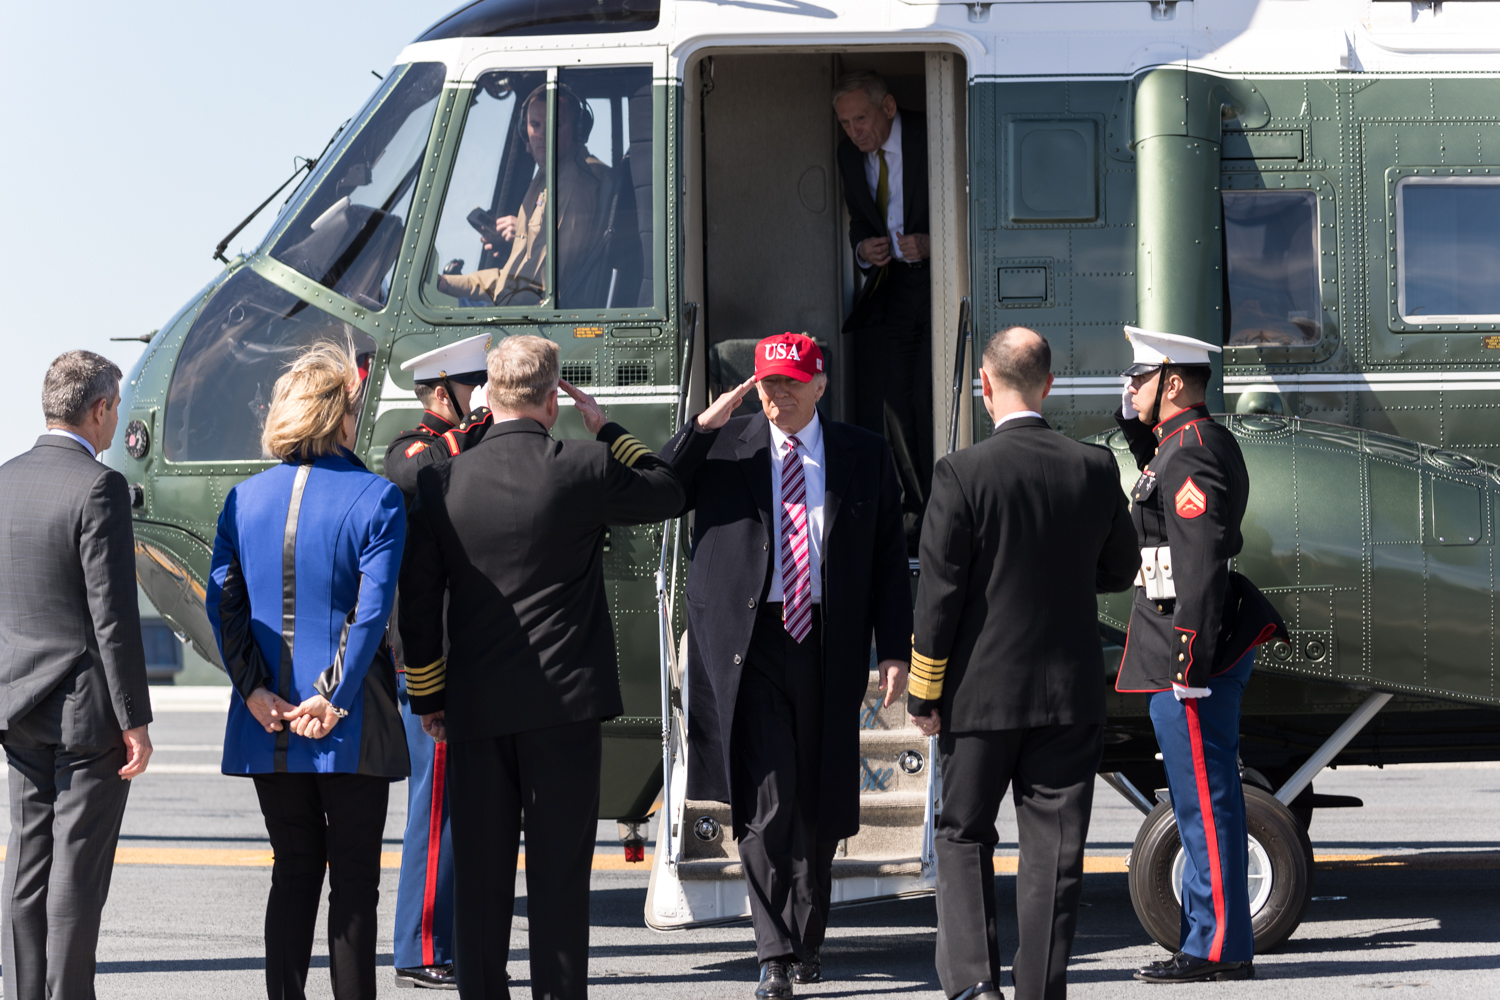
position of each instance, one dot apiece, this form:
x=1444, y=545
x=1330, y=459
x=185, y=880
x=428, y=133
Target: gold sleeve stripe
x=926, y=673
x=423, y=690
x=628, y=450
x=925, y=689
x=927, y=661
x=437, y=668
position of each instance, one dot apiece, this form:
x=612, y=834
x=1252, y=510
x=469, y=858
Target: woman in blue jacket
x=304, y=574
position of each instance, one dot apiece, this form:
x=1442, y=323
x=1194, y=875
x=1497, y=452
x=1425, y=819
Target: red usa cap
x=789, y=354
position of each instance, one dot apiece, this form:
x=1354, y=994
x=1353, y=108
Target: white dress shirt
x=895, y=207
x=69, y=434
x=814, y=477
x=1017, y=416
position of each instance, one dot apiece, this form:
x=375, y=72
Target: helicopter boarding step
x=885, y=859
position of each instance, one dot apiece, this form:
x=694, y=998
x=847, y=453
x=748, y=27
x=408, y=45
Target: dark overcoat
x=866, y=591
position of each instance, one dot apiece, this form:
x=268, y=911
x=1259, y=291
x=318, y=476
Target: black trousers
x=1051, y=774
x=318, y=821
x=893, y=390
x=66, y=804
x=552, y=777
x=777, y=759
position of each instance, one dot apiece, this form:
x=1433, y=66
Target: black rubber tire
x=1280, y=834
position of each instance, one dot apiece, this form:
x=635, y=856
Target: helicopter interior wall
x=777, y=257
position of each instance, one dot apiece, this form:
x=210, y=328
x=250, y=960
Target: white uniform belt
x=1156, y=574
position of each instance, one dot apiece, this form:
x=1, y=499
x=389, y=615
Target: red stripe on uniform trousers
x=434, y=849
x=1210, y=831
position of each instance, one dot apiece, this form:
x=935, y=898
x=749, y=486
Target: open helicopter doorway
x=767, y=246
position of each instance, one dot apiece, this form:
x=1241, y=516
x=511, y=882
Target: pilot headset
x=583, y=118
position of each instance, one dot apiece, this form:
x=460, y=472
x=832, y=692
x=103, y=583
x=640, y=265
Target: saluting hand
x=588, y=408
x=718, y=412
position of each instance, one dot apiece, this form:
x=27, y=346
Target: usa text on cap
x=789, y=354
x=1152, y=350
x=463, y=362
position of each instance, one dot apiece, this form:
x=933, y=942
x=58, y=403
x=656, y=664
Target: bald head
x=1019, y=359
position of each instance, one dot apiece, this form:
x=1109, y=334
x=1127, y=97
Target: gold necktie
x=882, y=189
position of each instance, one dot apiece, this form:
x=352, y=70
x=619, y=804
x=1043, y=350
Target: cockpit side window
x=1275, y=289
x=347, y=233
x=495, y=245
x=245, y=337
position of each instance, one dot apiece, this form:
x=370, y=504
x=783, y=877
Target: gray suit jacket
x=72, y=668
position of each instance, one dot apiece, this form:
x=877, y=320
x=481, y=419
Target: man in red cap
x=799, y=555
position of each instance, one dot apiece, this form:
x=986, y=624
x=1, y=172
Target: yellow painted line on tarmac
x=227, y=858
x=1431, y=861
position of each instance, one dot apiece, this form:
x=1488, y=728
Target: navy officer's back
x=512, y=530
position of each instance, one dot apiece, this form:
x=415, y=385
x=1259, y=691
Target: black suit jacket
x=513, y=531
x=866, y=589
x=865, y=220
x=1021, y=533
x=70, y=630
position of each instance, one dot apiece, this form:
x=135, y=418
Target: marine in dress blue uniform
x=1191, y=644
x=445, y=380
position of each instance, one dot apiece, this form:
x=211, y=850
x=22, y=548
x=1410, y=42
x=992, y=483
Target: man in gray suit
x=73, y=698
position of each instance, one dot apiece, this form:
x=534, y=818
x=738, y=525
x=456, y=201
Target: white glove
x=1127, y=402
x=480, y=398
x=1182, y=693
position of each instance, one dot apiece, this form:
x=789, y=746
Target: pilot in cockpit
x=580, y=178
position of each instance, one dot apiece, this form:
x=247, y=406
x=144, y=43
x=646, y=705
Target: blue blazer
x=350, y=531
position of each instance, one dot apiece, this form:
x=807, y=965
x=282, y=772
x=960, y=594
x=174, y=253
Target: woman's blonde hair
x=310, y=402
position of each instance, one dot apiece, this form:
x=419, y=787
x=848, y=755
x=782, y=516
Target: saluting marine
x=445, y=383
x=1191, y=643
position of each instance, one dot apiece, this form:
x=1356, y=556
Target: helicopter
x=1312, y=187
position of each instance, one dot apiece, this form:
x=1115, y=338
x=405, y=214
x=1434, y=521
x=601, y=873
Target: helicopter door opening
x=767, y=250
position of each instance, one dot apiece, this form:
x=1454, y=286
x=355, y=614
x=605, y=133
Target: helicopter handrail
x=664, y=602
x=307, y=165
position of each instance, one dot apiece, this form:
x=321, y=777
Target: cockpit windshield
x=347, y=232
x=245, y=337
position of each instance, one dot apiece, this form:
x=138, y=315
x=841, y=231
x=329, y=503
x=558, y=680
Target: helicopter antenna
x=306, y=164
x=144, y=338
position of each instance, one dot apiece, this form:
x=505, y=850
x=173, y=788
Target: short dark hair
x=1194, y=377
x=76, y=381
x=1017, y=364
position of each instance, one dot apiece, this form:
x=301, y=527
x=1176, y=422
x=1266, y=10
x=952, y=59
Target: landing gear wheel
x=1280, y=874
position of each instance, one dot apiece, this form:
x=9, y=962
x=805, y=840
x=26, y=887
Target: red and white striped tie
x=796, y=567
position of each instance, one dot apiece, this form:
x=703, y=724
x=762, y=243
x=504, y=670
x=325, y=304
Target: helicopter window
x=492, y=243
x=1275, y=289
x=245, y=337
x=1448, y=248
x=493, y=18
x=347, y=234
x=604, y=188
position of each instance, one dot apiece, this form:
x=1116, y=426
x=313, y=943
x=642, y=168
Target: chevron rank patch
x=1190, y=500
x=415, y=448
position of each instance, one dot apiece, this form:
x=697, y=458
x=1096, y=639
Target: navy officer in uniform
x=445, y=382
x=1193, y=631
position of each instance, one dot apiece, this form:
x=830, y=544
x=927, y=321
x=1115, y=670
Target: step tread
x=723, y=871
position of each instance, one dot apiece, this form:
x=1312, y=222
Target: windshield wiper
x=306, y=164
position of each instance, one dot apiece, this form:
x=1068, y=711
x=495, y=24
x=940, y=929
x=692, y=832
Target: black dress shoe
x=980, y=991
x=1162, y=965
x=810, y=969
x=429, y=977
x=1185, y=968
x=775, y=982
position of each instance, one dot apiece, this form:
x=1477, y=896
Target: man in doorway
x=445, y=382
x=779, y=635
x=1026, y=526
x=883, y=163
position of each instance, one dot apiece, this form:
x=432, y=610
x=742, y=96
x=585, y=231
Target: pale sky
x=137, y=135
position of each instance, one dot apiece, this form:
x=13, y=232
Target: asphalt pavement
x=186, y=907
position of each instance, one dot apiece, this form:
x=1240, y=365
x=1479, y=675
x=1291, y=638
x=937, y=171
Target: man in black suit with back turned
x=883, y=162
x=798, y=558
x=1022, y=531
x=73, y=699
x=512, y=530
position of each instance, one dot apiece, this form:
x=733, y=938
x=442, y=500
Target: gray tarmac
x=194, y=931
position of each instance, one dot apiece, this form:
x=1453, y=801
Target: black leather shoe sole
x=417, y=979
x=1215, y=975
